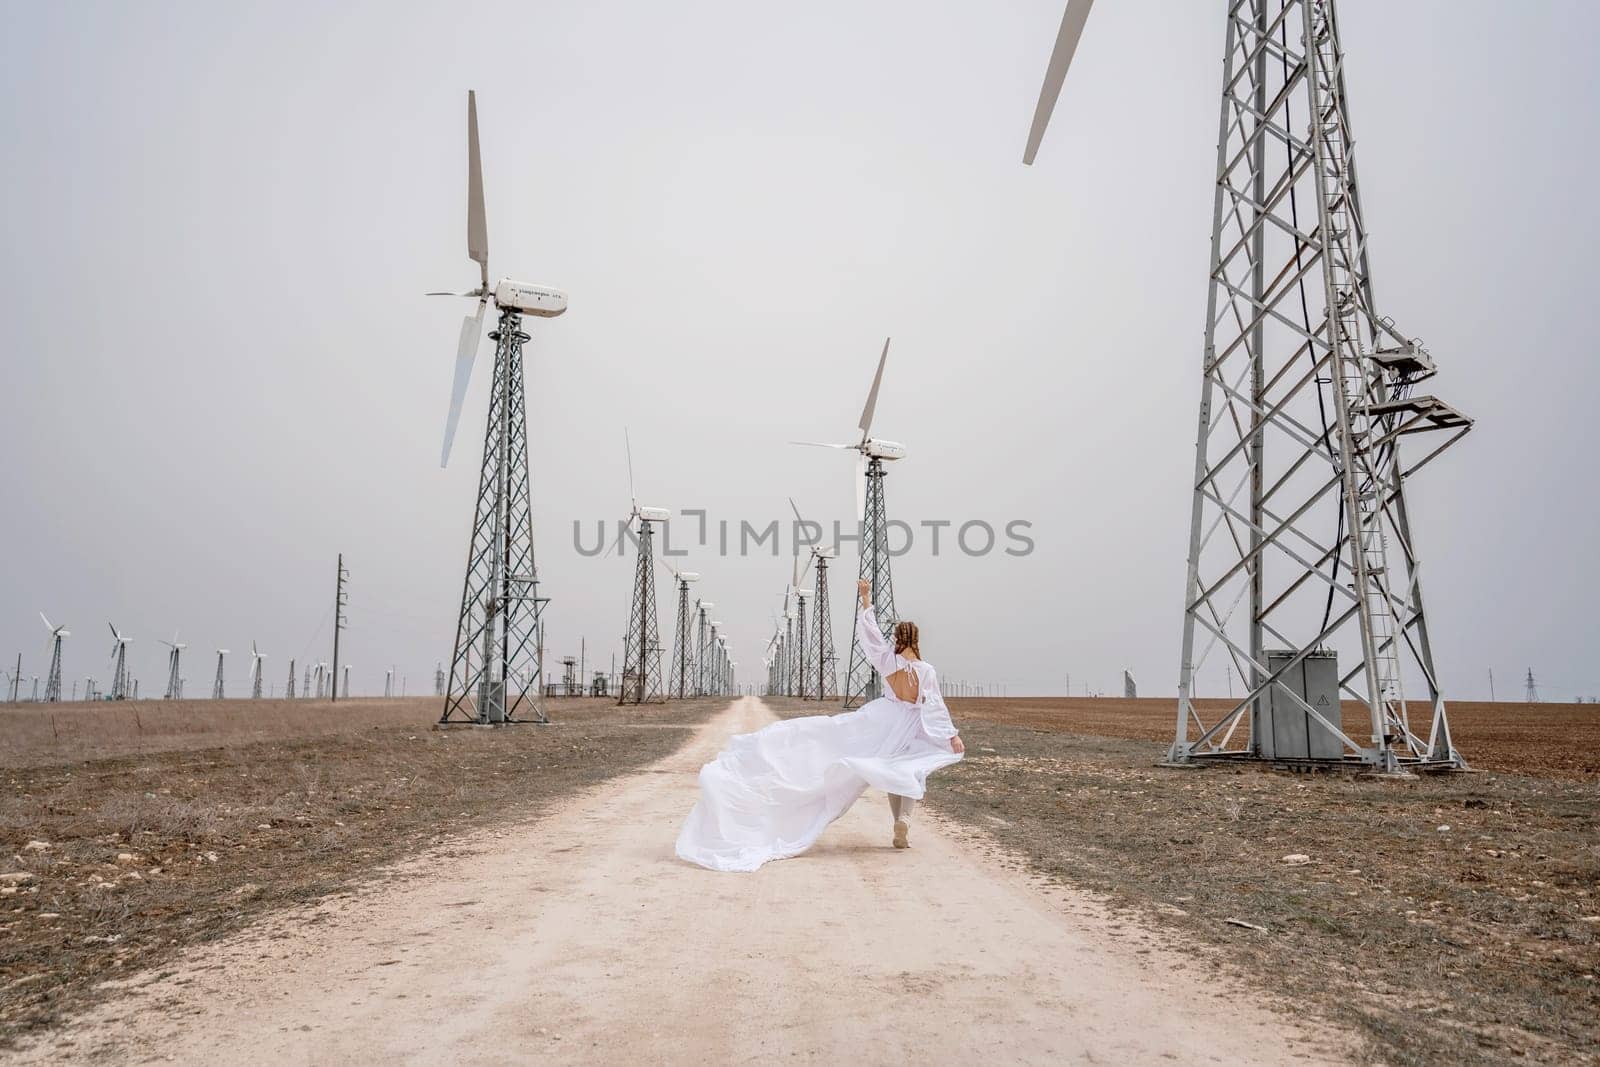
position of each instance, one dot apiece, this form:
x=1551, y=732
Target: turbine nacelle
x=878, y=449
x=529, y=299
x=652, y=514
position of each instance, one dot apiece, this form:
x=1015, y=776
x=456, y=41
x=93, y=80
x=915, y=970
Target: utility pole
x=1491, y=685
x=339, y=602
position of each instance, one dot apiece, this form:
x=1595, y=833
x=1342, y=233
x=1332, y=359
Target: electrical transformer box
x=1288, y=731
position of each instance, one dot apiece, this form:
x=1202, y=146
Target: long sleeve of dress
x=879, y=652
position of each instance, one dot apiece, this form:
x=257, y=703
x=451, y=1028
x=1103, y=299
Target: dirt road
x=581, y=938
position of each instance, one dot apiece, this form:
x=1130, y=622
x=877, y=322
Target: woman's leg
x=901, y=807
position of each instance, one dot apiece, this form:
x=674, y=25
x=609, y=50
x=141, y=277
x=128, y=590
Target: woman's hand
x=956, y=745
x=864, y=589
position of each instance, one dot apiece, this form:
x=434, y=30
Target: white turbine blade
x=47, y=625
x=466, y=353
x=616, y=546
x=872, y=397
x=820, y=444
x=627, y=443
x=114, y=632
x=861, y=486
x=1072, y=20
x=477, y=224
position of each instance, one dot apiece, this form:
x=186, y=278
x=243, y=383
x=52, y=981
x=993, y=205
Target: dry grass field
x=217, y=812
x=1452, y=919
x=1551, y=740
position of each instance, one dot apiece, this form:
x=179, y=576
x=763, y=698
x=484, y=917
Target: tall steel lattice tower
x=680, y=678
x=702, y=644
x=861, y=684
x=1301, y=549
x=802, y=645
x=495, y=675
x=827, y=668
x=288, y=689
x=216, y=686
x=641, y=649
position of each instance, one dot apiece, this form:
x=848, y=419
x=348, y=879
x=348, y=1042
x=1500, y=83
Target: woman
x=770, y=795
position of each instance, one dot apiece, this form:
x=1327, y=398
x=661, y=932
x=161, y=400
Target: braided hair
x=905, y=637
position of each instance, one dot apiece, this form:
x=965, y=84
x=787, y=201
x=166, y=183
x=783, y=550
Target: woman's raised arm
x=879, y=653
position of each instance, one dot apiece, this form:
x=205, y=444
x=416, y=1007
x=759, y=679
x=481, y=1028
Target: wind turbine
x=53, y=680
x=52, y=685
x=216, y=686
x=1306, y=397
x=702, y=646
x=498, y=629
x=256, y=659
x=119, y=657
x=823, y=675
x=862, y=684
x=796, y=662
x=174, y=670
x=682, y=655
x=641, y=645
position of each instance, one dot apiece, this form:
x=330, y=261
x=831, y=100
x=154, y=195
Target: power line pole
x=1532, y=695
x=339, y=602
x=1491, y=685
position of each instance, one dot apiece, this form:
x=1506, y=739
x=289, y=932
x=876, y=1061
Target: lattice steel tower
x=497, y=670
x=861, y=684
x=1300, y=545
x=495, y=674
x=680, y=682
x=826, y=680
x=702, y=655
x=641, y=652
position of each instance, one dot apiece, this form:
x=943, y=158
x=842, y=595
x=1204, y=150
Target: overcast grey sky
x=220, y=370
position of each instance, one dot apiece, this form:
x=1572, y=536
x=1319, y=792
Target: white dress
x=770, y=795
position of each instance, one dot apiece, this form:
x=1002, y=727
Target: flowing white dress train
x=770, y=794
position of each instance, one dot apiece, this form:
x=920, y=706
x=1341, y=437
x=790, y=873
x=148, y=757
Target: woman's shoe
x=901, y=830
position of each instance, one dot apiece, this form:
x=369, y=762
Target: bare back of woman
x=903, y=684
